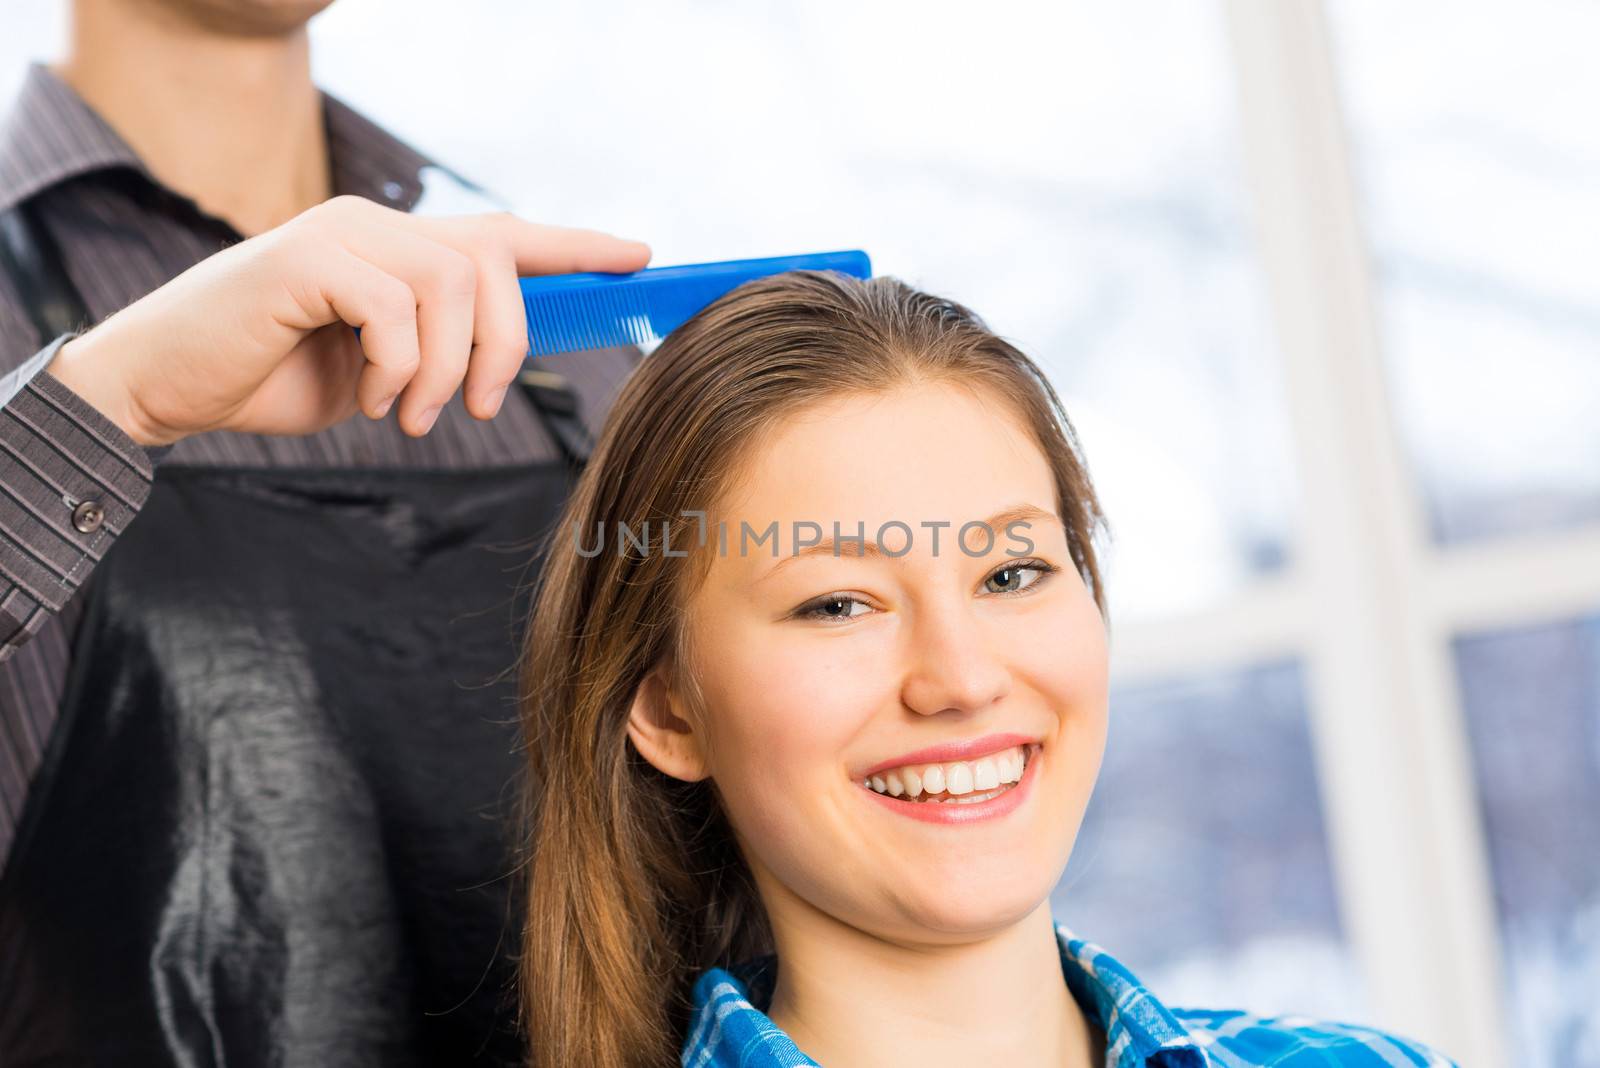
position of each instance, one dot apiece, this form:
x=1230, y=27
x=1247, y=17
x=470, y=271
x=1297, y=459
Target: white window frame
x=1369, y=603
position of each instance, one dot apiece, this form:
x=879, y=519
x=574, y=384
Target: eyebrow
x=1016, y=513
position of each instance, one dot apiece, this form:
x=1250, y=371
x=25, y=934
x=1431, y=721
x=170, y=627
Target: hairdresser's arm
x=70, y=479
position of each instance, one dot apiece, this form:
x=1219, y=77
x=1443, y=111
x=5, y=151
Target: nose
x=955, y=662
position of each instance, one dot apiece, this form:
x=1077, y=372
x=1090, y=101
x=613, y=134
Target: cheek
x=1065, y=659
x=784, y=708
x=1067, y=665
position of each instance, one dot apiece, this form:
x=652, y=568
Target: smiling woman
x=868, y=763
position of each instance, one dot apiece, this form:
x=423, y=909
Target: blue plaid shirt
x=728, y=1031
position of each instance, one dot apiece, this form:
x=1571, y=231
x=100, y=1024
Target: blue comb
x=572, y=312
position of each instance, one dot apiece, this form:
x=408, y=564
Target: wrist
x=83, y=367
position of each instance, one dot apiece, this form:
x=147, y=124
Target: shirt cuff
x=70, y=481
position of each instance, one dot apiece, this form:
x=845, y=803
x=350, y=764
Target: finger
x=445, y=282
x=536, y=248
x=499, y=338
x=539, y=249
x=385, y=309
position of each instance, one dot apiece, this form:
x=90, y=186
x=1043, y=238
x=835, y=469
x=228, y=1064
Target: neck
x=232, y=121
x=849, y=998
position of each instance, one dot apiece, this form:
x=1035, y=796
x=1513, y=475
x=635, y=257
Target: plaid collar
x=727, y=1030
x=52, y=135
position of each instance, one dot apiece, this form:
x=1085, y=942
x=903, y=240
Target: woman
x=817, y=674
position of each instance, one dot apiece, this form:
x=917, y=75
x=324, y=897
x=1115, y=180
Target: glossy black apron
x=272, y=823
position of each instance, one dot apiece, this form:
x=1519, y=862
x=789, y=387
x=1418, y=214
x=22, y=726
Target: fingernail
x=425, y=420
x=383, y=408
x=496, y=399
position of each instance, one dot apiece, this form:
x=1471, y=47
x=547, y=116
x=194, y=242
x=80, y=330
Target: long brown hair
x=634, y=884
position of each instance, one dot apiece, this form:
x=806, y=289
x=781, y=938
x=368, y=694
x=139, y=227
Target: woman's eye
x=833, y=606
x=1013, y=578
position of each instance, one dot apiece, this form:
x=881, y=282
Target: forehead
x=923, y=452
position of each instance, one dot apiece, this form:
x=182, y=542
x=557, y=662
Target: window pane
x=34, y=30
x=1478, y=156
x=1066, y=169
x=1203, y=861
x=1532, y=700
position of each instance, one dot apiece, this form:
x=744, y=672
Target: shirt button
x=392, y=190
x=88, y=516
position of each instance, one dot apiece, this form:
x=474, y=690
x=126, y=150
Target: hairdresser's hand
x=258, y=337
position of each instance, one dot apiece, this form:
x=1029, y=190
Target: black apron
x=271, y=826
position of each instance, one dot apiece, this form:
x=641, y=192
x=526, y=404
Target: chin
x=978, y=906
x=247, y=18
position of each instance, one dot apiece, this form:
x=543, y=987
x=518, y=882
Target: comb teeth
x=598, y=318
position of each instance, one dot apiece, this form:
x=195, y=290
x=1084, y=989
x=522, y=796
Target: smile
x=957, y=791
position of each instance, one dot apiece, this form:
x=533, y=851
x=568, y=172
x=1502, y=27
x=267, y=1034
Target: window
x=1491, y=317
x=1532, y=700
x=1234, y=904
x=1475, y=160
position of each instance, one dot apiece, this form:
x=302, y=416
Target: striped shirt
x=122, y=234
x=727, y=1030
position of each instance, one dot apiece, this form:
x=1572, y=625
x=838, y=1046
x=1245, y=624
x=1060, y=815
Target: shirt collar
x=52, y=134
x=727, y=1030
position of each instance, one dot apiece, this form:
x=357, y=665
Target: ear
x=662, y=735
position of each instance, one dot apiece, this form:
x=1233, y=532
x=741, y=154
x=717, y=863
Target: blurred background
x=1320, y=285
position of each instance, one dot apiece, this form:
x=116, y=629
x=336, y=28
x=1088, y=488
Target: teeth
x=985, y=775
x=963, y=781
